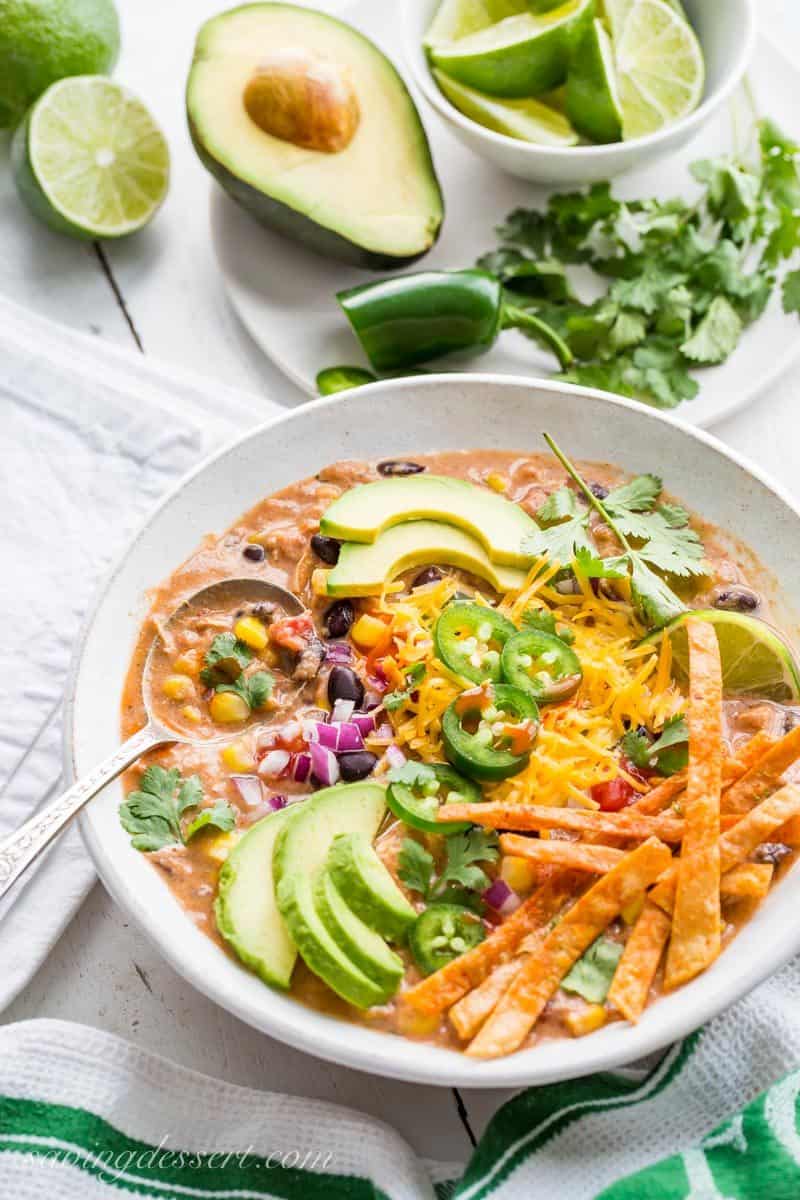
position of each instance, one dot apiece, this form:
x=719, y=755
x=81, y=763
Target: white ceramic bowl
x=727, y=32
x=392, y=419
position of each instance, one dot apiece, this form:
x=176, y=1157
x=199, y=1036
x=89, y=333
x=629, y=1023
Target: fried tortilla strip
x=637, y=968
x=446, y=986
x=765, y=776
x=695, y=940
x=738, y=843
x=528, y=817
x=747, y=881
x=789, y=833
x=577, y=856
x=472, y=1010
x=541, y=974
x=665, y=792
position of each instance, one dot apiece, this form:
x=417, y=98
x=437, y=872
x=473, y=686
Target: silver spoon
x=19, y=849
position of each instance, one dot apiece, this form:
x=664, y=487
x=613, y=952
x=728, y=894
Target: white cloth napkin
x=91, y=437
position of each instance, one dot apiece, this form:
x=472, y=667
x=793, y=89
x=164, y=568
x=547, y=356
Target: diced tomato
x=293, y=633
x=614, y=795
x=643, y=774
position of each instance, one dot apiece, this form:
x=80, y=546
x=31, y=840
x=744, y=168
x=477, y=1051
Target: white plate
x=285, y=295
x=394, y=419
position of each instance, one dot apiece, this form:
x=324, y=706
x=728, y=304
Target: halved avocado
x=350, y=175
x=364, y=512
x=364, y=569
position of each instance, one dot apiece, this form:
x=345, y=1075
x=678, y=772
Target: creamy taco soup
x=517, y=761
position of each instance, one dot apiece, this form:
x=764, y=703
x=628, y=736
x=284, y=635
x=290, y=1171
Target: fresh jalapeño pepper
x=436, y=783
x=488, y=732
x=415, y=318
x=443, y=932
x=542, y=666
x=469, y=638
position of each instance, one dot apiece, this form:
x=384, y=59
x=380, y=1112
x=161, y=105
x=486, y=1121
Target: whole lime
x=45, y=40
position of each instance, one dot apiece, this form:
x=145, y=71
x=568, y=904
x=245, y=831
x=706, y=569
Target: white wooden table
x=161, y=291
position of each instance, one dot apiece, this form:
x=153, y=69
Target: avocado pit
x=303, y=99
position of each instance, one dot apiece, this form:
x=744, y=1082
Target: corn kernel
x=586, y=1020
x=227, y=708
x=497, y=482
x=319, y=582
x=218, y=848
x=178, y=687
x=518, y=873
x=252, y=632
x=368, y=632
x=237, y=757
x=188, y=663
x=190, y=712
x=631, y=912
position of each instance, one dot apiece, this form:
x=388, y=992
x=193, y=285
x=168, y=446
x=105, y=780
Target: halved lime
x=521, y=56
x=755, y=659
x=660, y=67
x=529, y=120
x=592, y=98
x=459, y=18
x=89, y=160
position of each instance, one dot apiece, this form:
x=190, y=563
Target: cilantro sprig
x=153, y=814
x=413, y=677
x=462, y=879
x=653, y=537
x=225, y=659
x=666, y=753
x=683, y=279
x=254, y=689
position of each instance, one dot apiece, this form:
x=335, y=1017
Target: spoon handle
x=19, y=849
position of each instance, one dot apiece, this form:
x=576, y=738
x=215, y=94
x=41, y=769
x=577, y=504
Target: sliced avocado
x=365, y=948
x=364, y=569
x=367, y=887
x=300, y=852
x=245, y=908
x=308, y=126
x=364, y=512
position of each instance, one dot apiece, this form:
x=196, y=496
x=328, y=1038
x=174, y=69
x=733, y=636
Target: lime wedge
x=90, y=160
x=459, y=18
x=521, y=56
x=755, y=659
x=660, y=67
x=592, y=98
x=528, y=120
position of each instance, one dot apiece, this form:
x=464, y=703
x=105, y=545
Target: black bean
x=254, y=552
x=398, y=466
x=771, y=852
x=357, y=764
x=736, y=598
x=428, y=575
x=339, y=618
x=344, y=684
x=598, y=491
x=326, y=548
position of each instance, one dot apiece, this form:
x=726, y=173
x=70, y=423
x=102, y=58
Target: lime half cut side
x=756, y=661
x=660, y=66
x=456, y=19
x=90, y=160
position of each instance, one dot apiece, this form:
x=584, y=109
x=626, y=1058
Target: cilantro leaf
x=543, y=619
x=791, y=292
x=717, y=335
x=668, y=753
x=657, y=603
x=592, y=974
x=464, y=852
x=152, y=813
x=413, y=676
x=415, y=867
x=221, y=816
x=254, y=689
x=412, y=774
x=590, y=566
x=560, y=504
x=225, y=658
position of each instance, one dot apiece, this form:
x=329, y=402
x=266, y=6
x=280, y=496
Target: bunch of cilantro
x=686, y=278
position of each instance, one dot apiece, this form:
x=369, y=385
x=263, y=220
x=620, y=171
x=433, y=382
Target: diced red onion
x=378, y=680
x=277, y=801
x=301, y=767
x=384, y=732
x=395, y=756
x=342, y=711
x=326, y=735
x=364, y=721
x=324, y=764
x=339, y=653
x=349, y=738
x=502, y=898
x=371, y=700
x=274, y=763
x=250, y=788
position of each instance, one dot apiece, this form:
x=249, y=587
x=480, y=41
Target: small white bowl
x=727, y=32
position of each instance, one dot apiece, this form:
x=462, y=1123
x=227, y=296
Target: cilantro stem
x=588, y=493
x=518, y=318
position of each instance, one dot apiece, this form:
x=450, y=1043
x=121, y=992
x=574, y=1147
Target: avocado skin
x=292, y=223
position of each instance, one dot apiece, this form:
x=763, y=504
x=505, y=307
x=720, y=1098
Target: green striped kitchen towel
x=86, y=1116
